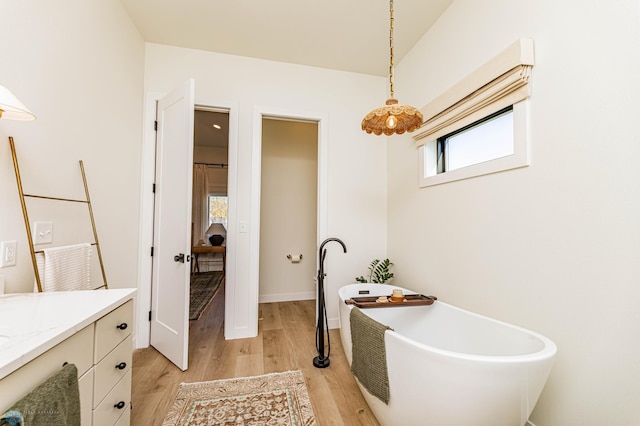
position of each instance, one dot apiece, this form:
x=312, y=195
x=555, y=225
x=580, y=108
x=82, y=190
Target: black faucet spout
x=338, y=240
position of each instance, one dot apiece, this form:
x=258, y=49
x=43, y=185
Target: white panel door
x=172, y=225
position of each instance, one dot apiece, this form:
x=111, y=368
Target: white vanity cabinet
x=112, y=366
x=75, y=350
x=101, y=349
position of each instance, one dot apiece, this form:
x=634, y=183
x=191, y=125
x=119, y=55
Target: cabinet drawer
x=111, y=369
x=112, y=329
x=75, y=350
x=125, y=419
x=107, y=412
x=85, y=385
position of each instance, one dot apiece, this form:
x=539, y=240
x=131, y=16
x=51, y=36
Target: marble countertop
x=33, y=323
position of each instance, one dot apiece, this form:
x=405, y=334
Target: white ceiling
x=350, y=35
x=204, y=134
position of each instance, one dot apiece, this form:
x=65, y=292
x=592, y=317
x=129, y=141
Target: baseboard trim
x=290, y=297
x=286, y=297
x=333, y=323
x=529, y=423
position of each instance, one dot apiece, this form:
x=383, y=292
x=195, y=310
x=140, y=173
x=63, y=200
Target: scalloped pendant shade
x=392, y=117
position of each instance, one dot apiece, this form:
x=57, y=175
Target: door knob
x=179, y=258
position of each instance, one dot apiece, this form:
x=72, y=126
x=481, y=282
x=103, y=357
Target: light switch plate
x=42, y=232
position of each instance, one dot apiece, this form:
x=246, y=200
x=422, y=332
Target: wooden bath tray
x=409, y=300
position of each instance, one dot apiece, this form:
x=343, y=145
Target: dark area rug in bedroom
x=203, y=287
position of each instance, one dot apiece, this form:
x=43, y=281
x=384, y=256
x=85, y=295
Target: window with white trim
x=493, y=144
x=479, y=126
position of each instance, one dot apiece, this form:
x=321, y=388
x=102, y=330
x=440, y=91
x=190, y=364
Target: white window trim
x=519, y=158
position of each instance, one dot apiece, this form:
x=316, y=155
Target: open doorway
x=209, y=206
x=288, y=209
x=148, y=307
x=248, y=327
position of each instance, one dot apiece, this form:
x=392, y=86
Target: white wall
x=356, y=161
x=288, y=210
x=78, y=66
x=554, y=247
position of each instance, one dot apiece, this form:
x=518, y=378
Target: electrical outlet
x=8, y=253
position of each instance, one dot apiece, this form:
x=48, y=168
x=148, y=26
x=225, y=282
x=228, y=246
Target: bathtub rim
x=547, y=352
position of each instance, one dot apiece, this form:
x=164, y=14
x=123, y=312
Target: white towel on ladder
x=65, y=268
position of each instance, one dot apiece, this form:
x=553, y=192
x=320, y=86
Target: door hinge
x=151, y=251
x=149, y=315
x=155, y=125
x=154, y=188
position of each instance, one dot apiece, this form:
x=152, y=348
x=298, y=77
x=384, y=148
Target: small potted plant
x=378, y=272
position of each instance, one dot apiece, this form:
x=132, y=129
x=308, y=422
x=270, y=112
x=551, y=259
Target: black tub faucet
x=322, y=360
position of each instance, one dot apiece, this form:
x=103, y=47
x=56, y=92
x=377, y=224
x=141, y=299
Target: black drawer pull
x=120, y=405
x=121, y=366
x=122, y=326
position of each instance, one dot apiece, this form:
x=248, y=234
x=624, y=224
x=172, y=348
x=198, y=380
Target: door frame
x=260, y=112
x=142, y=323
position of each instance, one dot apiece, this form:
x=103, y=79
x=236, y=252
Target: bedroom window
x=218, y=209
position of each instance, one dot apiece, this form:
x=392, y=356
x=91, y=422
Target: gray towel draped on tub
x=55, y=402
x=369, y=357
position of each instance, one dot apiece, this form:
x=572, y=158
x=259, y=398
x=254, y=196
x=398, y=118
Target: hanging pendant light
x=392, y=117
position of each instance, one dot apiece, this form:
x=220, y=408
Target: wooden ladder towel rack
x=25, y=214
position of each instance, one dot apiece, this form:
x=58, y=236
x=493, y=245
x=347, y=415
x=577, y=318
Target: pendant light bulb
x=391, y=122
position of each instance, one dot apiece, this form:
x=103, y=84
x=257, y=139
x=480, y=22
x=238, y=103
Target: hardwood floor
x=285, y=341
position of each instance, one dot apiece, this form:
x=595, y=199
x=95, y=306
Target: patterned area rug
x=271, y=399
x=202, y=289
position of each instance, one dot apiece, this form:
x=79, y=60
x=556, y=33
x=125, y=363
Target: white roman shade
x=501, y=82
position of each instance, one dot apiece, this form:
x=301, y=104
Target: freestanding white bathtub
x=448, y=366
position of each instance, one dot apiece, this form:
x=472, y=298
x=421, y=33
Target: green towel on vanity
x=55, y=402
x=369, y=357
